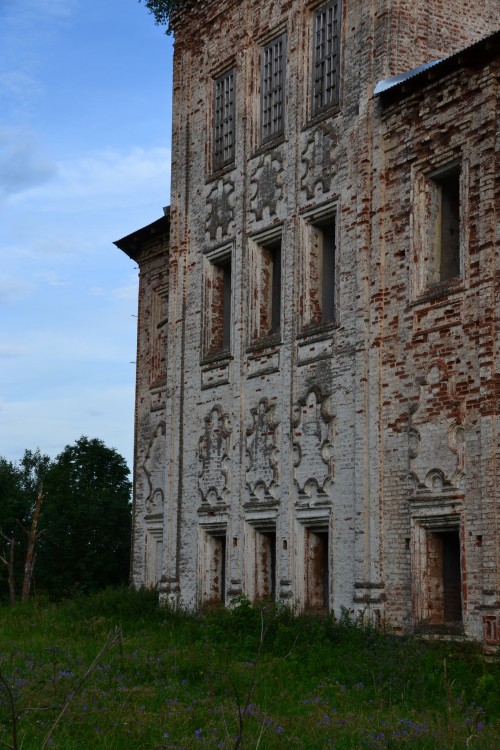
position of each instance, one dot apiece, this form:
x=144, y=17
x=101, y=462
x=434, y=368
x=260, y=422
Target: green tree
x=163, y=10
x=20, y=486
x=86, y=519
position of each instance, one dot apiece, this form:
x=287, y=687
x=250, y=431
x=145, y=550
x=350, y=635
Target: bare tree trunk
x=9, y=562
x=33, y=536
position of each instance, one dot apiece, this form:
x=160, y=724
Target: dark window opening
x=444, y=578
x=442, y=225
x=448, y=239
x=452, y=578
x=317, y=571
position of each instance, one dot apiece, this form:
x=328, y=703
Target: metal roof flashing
x=388, y=83
x=475, y=54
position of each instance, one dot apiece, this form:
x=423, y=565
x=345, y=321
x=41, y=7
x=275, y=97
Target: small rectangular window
x=273, y=57
x=158, y=333
x=319, y=269
x=270, y=307
x=265, y=565
x=317, y=570
x=265, y=279
x=218, y=302
x=326, y=56
x=446, y=219
x=213, y=584
x=439, y=230
x=323, y=256
x=224, y=121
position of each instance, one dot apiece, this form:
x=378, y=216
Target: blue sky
x=85, y=123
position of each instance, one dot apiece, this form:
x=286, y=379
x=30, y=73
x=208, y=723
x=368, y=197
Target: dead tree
x=32, y=536
x=8, y=560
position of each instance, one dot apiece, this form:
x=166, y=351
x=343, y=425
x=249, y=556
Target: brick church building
x=318, y=366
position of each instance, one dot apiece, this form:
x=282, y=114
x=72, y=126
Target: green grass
x=175, y=680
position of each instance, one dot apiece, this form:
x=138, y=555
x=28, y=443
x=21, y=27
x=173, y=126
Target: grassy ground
x=179, y=681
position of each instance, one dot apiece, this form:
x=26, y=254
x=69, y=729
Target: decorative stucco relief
x=313, y=434
x=318, y=161
x=436, y=436
x=220, y=209
x=213, y=453
x=266, y=185
x=153, y=471
x=262, y=452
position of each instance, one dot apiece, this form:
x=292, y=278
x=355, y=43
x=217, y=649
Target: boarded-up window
x=159, y=321
x=318, y=278
x=316, y=570
x=265, y=564
x=265, y=296
x=214, y=569
x=218, y=302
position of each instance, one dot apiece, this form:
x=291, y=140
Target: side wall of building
x=439, y=349
x=150, y=427
x=290, y=447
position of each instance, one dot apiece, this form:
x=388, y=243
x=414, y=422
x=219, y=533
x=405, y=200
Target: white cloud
x=107, y=173
x=10, y=351
x=128, y=292
x=95, y=411
x=52, y=279
x=20, y=87
x=12, y=291
x=22, y=165
x=56, y=8
x=28, y=29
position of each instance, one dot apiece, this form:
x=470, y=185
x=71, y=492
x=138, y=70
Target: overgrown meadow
x=247, y=677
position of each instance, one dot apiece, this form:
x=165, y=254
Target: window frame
x=265, y=289
x=329, y=62
x=218, y=297
x=224, y=119
x=314, y=282
x=427, y=279
x=276, y=93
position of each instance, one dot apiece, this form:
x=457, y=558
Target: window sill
x=317, y=331
x=218, y=173
x=325, y=114
x=259, y=346
x=437, y=291
x=269, y=145
x=222, y=356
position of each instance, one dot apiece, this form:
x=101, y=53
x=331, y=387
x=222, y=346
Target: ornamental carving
x=262, y=452
x=313, y=434
x=318, y=161
x=436, y=436
x=213, y=453
x=153, y=468
x=220, y=209
x=266, y=185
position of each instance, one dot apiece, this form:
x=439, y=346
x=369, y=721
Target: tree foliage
x=84, y=521
x=163, y=10
x=20, y=485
